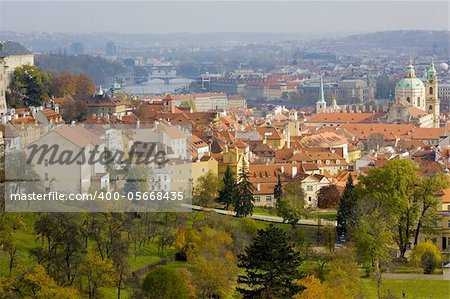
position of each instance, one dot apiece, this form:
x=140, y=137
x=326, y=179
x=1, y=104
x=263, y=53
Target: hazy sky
x=222, y=16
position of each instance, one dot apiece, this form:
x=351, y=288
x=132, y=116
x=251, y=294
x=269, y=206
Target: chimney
x=294, y=171
x=258, y=187
x=282, y=168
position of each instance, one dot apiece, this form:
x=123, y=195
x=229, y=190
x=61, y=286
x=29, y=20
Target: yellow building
x=203, y=166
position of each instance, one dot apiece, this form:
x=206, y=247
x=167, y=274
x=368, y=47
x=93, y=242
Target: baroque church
x=414, y=103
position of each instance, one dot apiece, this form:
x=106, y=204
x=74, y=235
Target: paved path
x=273, y=219
x=411, y=276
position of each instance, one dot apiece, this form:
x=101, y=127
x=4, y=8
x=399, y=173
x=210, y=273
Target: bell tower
x=431, y=94
x=321, y=105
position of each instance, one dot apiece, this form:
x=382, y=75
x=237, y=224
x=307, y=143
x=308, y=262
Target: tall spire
x=431, y=71
x=322, y=97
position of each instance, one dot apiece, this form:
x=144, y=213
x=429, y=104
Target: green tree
x=271, y=266
x=206, y=190
x=136, y=180
x=227, y=194
x=346, y=213
x=278, y=192
x=394, y=189
x=244, y=193
x=31, y=84
x=427, y=255
x=292, y=203
x=428, y=203
x=164, y=282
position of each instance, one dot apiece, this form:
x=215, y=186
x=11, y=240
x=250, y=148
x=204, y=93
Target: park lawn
x=264, y=211
x=147, y=254
x=413, y=288
x=325, y=214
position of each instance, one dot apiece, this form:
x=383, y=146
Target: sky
x=222, y=16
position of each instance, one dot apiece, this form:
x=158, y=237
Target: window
x=337, y=161
x=46, y=176
x=309, y=198
x=268, y=198
x=319, y=162
x=430, y=107
x=408, y=99
x=309, y=188
x=327, y=162
x=257, y=199
x=431, y=90
x=46, y=162
x=448, y=224
x=444, y=243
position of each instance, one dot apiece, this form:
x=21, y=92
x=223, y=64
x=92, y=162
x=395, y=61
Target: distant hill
x=417, y=39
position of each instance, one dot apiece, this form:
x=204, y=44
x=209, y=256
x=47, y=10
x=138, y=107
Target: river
x=158, y=86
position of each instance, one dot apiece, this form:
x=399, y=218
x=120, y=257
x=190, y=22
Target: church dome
x=410, y=81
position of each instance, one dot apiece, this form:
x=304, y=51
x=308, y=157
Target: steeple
x=431, y=74
x=321, y=105
x=410, y=72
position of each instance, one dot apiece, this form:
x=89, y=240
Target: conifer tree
x=346, y=213
x=271, y=266
x=244, y=195
x=227, y=194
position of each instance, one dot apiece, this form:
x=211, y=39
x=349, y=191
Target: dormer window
x=319, y=162
x=327, y=162
x=338, y=162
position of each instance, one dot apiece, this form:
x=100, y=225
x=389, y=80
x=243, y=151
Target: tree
x=206, y=190
x=96, y=273
x=9, y=224
x=372, y=238
x=165, y=283
x=84, y=85
x=31, y=84
x=228, y=192
x=278, y=192
x=346, y=213
x=34, y=283
x=292, y=203
x=136, y=180
x=74, y=111
x=271, y=266
x=328, y=197
x=375, y=141
x=63, y=246
x=394, y=189
x=428, y=203
x=244, y=193
x=427, y=255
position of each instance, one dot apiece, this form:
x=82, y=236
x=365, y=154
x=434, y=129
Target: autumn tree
x=244, y=193
x=271, y=266
x=164, y=283
x=62, y=245
x=291, y=205
x=10, y=223
x=328, y=197
x=228, y=192
x=206, y=190
x=34, y=283
x=427, y=255
x=96, y=272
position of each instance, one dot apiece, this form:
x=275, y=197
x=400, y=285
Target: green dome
x=410, y=83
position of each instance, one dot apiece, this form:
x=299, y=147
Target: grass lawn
x=414, y=288
x=325, y=214
x=264, y=211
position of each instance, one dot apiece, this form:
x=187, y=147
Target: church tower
x=431, y=94
x=321, y=105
